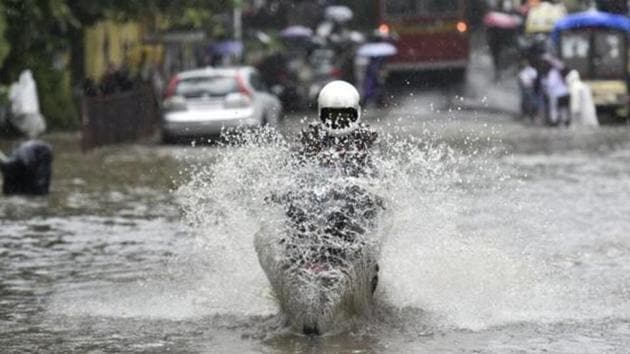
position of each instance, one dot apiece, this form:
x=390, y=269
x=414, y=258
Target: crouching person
x=28, y=169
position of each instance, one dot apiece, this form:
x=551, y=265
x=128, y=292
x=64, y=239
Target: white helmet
x=338, y=107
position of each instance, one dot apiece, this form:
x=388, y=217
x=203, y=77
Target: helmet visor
x=339, y=118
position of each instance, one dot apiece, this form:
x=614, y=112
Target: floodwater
x=505, y=238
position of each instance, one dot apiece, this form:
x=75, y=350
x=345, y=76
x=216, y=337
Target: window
x=575, y=48
x=405, y=8
x=442, y=6
x=401, y=7
x=609, y=55
x=207, y=86
x=596, y=54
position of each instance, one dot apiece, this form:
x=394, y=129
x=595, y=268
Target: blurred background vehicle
x=596, y=45
x=200, y=103
x=431, y=35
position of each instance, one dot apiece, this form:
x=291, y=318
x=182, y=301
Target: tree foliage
x=5, y=46
x=33, y=33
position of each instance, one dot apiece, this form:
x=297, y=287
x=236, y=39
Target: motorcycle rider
x=339, y=139
x=342, y=142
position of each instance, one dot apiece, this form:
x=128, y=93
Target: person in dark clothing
x=374, y=81
x=342, y=142
x=339, y=139
x=28, y=169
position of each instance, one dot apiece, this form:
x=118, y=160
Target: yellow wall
x=118, y=43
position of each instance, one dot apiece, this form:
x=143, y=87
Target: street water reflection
x=527, y=252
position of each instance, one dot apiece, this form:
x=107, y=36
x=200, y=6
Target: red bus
x=431, y=34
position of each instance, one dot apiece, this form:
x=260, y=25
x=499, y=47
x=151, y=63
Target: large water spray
x=426, y=259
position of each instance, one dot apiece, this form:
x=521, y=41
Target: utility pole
x=238, y=19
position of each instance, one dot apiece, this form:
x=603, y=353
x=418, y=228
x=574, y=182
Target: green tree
x=33, y=34
x=5, y=46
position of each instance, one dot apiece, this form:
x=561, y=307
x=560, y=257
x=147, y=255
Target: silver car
x=200, y=103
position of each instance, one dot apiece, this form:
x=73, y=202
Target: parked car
x=200, y=103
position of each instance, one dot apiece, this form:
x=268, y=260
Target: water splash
x=432, y=257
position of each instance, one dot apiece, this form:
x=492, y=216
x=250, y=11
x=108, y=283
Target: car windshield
x=401, y=8
x=207, y=86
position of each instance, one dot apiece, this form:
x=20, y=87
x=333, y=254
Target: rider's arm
x=368, y=138
x=309, y=141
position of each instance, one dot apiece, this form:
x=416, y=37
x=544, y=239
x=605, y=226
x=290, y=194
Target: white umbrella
x=381, y=49
x=357, y=37
x=296, y=31
x=338, y=13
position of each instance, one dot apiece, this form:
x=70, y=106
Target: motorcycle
x=323, y=265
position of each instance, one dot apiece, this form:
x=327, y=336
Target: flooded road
x=506, y=238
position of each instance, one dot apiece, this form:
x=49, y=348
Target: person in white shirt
x=555, y=91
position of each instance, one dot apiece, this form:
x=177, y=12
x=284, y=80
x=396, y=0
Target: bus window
x=575, y=51
x=608, y=58
x=410, y=8
x=396, y=8
x=442, y=6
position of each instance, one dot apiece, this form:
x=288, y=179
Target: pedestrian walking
x=530, y=101
x=556, y=92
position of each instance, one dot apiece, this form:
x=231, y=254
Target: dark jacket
x=350, y=153
x=28, y=169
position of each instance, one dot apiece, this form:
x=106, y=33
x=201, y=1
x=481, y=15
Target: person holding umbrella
x=226, y=53
x=371, y=60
